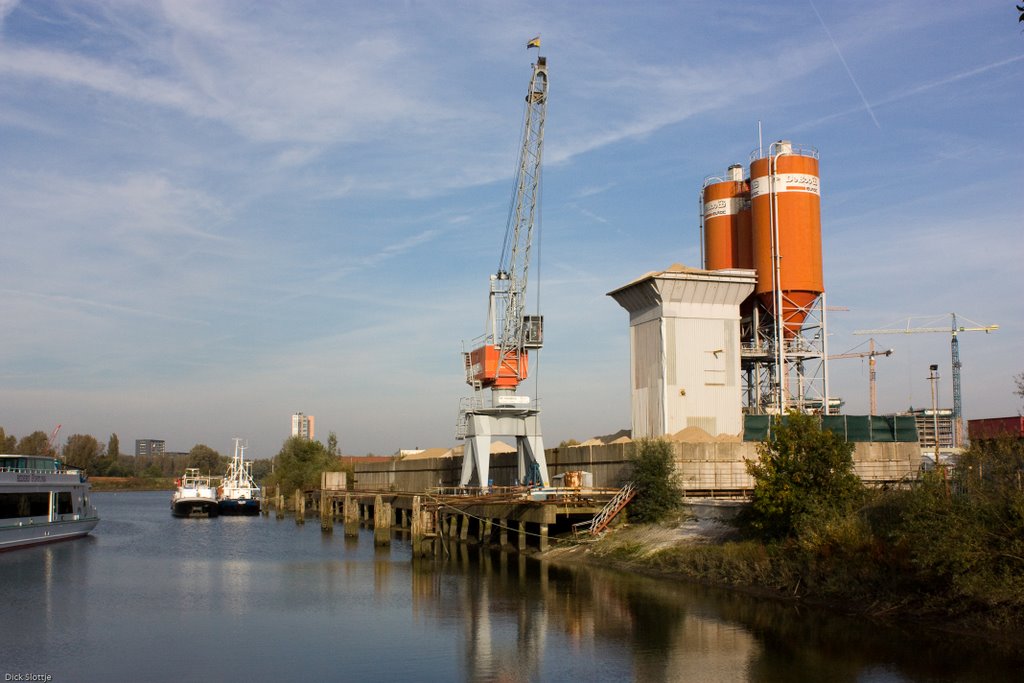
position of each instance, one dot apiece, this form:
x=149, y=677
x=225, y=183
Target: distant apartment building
x=149, y=447
x=304, y=426
x=932, y=426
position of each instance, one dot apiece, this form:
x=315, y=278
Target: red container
x=995, y=427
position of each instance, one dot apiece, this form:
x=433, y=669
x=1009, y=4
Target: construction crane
x=499, y=361
x=954, y=344
x=871, y=354
x=51, y=444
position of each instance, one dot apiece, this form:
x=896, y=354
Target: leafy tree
x=262, y=468
x=113, y=446
x=36, y=443
x=568, y=443
x=658, y=491
x=300, y=462
x=802, y=470
x=82, y=450
x=206, y=459
x=152, y=471
x=1019, y=379
x=332, y=443
x=8, y=444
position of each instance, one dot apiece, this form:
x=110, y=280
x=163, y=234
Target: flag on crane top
x=534, y=42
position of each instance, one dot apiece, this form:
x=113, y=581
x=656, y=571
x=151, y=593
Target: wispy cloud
x=905, y=93
x=846, y=66
x=6, y=7
x=102, y=306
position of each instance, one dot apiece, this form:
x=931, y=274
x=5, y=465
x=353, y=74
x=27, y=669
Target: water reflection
x=514, y=610
x=297, y=604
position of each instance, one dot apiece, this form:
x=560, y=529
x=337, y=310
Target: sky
x=217, y=213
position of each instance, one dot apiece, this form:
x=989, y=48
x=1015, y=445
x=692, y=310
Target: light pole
x=933, y=377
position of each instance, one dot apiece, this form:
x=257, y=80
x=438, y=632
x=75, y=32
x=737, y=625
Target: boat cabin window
x=30, y=463
x=34, y=504
x=64, y=506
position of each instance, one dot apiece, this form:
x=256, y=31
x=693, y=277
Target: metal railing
x=610, y=511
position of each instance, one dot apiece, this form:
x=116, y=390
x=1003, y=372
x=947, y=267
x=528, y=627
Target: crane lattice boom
x=502, y=360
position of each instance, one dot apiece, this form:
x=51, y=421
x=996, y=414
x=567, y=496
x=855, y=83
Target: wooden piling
x=300, y=507
x=422, y=545
x=485, y=531
x=326, y=511
x=381, y=522
x=350, y=515
x=264, y=503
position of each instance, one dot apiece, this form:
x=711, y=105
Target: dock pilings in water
x=442, y=524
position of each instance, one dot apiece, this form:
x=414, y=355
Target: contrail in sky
x=845, y=65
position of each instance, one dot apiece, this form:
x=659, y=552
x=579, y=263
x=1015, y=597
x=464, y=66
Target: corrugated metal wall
x=648, y=385
x=703, y=372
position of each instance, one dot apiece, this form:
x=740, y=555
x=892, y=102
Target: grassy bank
x=132, y=483
x=852, y=568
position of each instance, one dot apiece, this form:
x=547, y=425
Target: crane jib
x=502, y=360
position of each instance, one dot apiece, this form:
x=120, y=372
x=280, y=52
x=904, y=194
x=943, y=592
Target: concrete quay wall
x=705, y=467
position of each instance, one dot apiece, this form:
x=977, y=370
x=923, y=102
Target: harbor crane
x=499, y=360
x=871, y=354
x=954, y=344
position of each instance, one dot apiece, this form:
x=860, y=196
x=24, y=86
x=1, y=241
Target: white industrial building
x=685, y=349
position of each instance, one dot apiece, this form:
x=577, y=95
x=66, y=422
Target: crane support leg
x=483, y=426
x=477, y=455
x=530, y=448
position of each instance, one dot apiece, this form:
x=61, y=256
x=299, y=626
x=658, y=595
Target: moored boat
x=195, y=496
x=42, y=501
x=238, y=493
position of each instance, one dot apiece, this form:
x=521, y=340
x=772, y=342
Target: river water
x=148, y=597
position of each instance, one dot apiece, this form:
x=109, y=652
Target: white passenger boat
x=195, y=496
x=238, y=493
x=41, y=501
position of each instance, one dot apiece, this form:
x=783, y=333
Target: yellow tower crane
x=871, y=354
x=958, y=426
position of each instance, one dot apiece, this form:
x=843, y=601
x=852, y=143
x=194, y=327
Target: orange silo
x=727, y=238
x=785, y=195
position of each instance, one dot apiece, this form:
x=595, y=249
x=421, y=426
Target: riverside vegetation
x=948, y=548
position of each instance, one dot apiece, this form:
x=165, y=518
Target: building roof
x=679, y=283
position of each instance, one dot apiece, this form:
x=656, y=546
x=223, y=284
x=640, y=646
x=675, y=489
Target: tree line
x=106, y=460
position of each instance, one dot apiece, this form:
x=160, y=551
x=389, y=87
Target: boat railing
x=37, y=470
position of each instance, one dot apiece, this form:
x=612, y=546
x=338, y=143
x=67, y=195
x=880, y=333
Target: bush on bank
x=299, y=463
x=803, y=476
x=658, y=494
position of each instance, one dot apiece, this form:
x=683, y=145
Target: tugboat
x=42, y=500
x=195, y=496
x=238, y=493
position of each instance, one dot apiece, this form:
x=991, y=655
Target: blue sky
x=215, y=214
